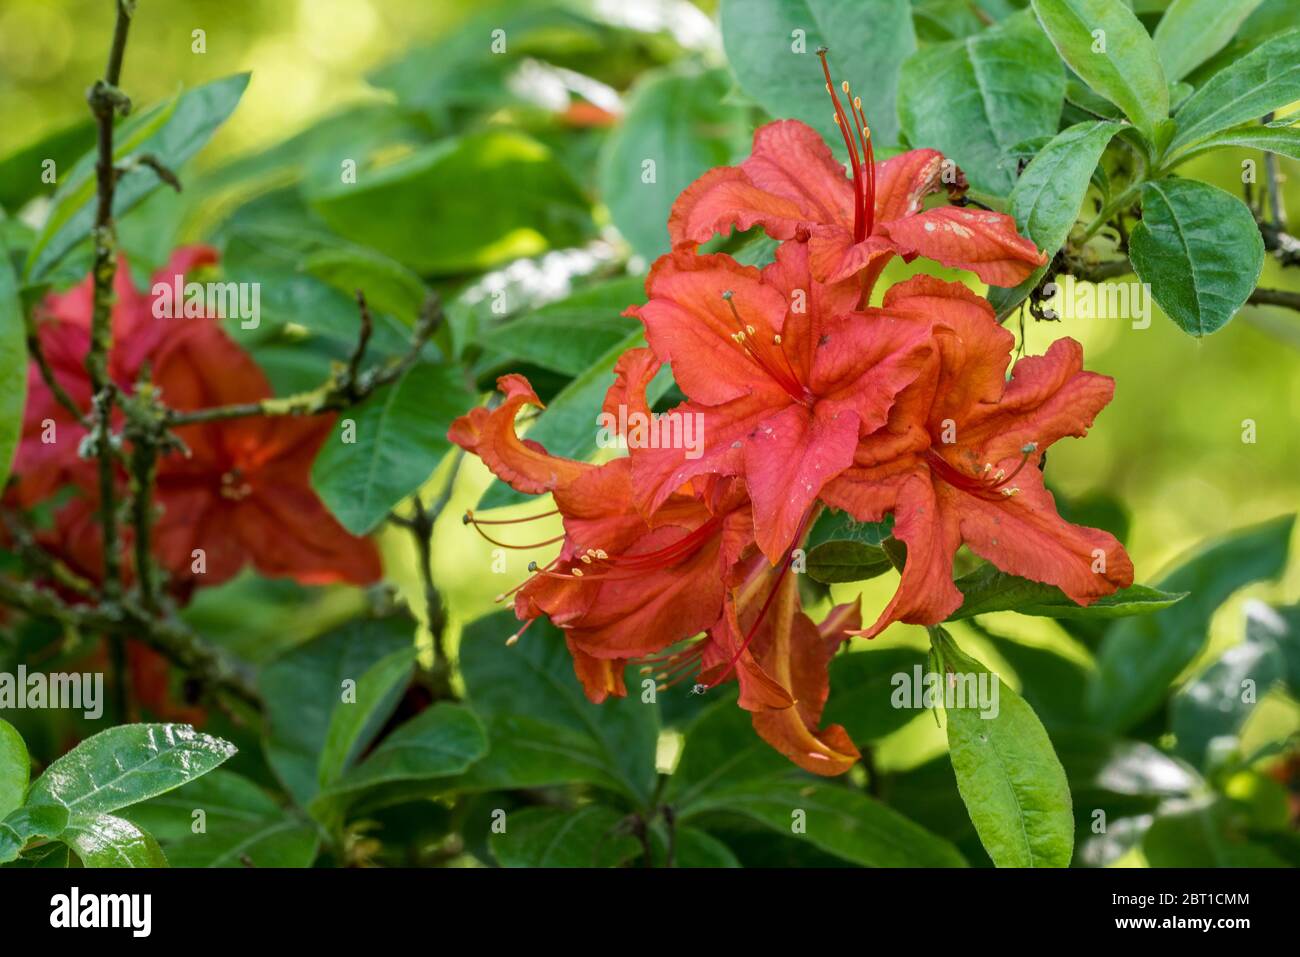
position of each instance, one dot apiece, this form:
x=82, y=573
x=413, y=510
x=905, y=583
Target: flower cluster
x=810, y=397
x=237, y=493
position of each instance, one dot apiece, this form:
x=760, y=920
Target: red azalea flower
x=791, y=185
x=623, y=585
x=63, y=327
x=244, y=492
x=785, y=374
x=960, y=461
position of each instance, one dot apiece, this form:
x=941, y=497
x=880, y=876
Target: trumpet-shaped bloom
x=960, y=461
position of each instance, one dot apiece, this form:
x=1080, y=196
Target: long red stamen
x=470, y=518
x=862, y=165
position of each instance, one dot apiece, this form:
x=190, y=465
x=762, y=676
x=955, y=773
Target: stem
x=346, y=389
x=105, y=101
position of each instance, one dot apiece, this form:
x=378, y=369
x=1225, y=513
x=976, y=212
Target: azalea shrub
x=704, y=438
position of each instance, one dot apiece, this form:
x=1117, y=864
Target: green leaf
x=988, y=590
x=677, y=119
x=834, y=525
x=101, y=840
x=772, y=46
x=1261, y=81
x=569, y=335
x=15, y=768
x=845, y=561
x=721, y=751
x=302, y=689
x=358, y=718
x=839, y=821
x=172, y=132
x=1192, y=31
x=28, y=823
x=13, y=365
x=534, y=679
x=400, y=437
x=568, y=427
x=530, y=753
x=439, y=742
x=1050, y=192
x=388, y=285
x=1139, y=658
x=242, y=825
x=427, y=210
x=20, y=171
x=863, y=685
x=1009, y=776
x=590, y=836
x=1127, y=72
x=1200, y=251
x=1282, y=137
x=126, y=765
x=1215, y=704
x=975, y=99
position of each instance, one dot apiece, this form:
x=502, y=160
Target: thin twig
x=341, y=392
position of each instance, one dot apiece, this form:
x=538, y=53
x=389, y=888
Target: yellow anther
x=776, y=339
x=845, y=86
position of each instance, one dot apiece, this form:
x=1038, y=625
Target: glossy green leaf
x=863, y=688
x=13, y=365
x=1192, y=31
x=772, y=46
x=1199, y=250
x=721, y=751
x=1009, y=776
x=399, y=437
x=834, y=819
x=975, y=99
x=360, y=715
x=173, y=132
x=589, y=836
x=1121, y=63
x=677, y=126
x=303, y=687
x=1139, y=658
x=1049, y=194
x=987, y=590
x=428, y=211
x=15, y=768
x=1261, y=81
x=844, y=561
x=569, y=335
x=242, y=826
x=534, y=679
x=126, y=765
x=28, y=823
x=569, y=425
x=102, y=840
